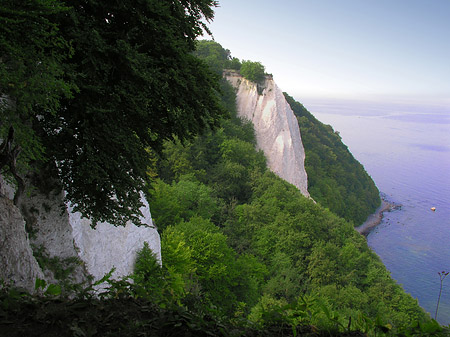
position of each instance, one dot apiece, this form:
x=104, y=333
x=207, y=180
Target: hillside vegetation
x=93, y=86
x=335, y=179
x=244, y=253
x=255, y=243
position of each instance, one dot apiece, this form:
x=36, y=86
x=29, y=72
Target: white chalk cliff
x=276, y=127
x=59, y=232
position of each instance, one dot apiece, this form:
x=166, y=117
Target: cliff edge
x=276, y=127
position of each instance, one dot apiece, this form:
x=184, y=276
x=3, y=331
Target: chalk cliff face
x=108, y=246
x=59, y=232
x=276, y=128
x=16, y=257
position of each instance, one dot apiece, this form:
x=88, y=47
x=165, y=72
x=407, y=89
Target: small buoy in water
x=433, y=208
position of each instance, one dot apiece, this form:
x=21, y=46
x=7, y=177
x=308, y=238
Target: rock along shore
x=374, y=219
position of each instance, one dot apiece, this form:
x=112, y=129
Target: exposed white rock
x=18, y=265
x=276, y=127
x=6, y=189
x=106, y=246
x=61, y=233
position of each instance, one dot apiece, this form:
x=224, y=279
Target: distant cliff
x=276, y=127
x=303, y=151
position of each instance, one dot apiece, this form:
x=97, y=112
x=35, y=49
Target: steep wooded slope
x=336, y=179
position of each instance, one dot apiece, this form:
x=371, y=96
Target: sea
x=405, y=147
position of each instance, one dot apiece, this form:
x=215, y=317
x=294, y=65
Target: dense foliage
x=32, y=53
x=243, y=251
x=335, y=179
x=238, y=239
x=216, y=57
x=121, y=312
x=253, y=71
x=254, y=237
x=94, y=85
x=241, y=240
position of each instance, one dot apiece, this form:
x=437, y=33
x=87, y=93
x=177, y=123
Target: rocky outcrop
x=276, y=127
x=107, y=247
x=17, y=262
x=62, y=235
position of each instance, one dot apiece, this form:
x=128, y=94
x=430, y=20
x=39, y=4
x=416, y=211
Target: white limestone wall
x=65, y=234
x=17, y=263
x=107, y=246
x=6, y=189
x=276, y=127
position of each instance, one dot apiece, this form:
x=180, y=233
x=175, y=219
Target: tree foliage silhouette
x=130, y=82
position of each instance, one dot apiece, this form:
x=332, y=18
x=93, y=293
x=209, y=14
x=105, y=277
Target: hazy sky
x=343, y=48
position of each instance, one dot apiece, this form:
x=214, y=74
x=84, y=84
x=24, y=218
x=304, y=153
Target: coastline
x=374, y=219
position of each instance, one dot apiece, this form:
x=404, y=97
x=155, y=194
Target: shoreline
x=375, y=218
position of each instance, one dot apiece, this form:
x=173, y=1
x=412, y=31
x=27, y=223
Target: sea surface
x=406, y=150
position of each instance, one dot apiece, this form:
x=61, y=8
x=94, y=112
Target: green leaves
x=198, y=265
x=335, y=178
x=181, y=201
x=31, y=70
x=51, y=289
x=253, y=71
x=94, y=85
x=264, y=244
x=216, y=56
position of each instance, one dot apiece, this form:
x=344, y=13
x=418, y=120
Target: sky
x=348, y=49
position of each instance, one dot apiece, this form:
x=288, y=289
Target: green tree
x=253, y=71
x=137, y=84
x=217, y=57
x=215, y=262
x=178, y=263
x=181, y=200
x=235, y=64
x=231, y=175
x=148, y=274
x=32, y=56
x=213, y=54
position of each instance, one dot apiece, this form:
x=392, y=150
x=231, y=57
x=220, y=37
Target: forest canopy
x=239, y=239
x=253, y=71
x=335, y=178
x=94, y=85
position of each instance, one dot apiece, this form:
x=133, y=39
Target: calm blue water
x=406, y=150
